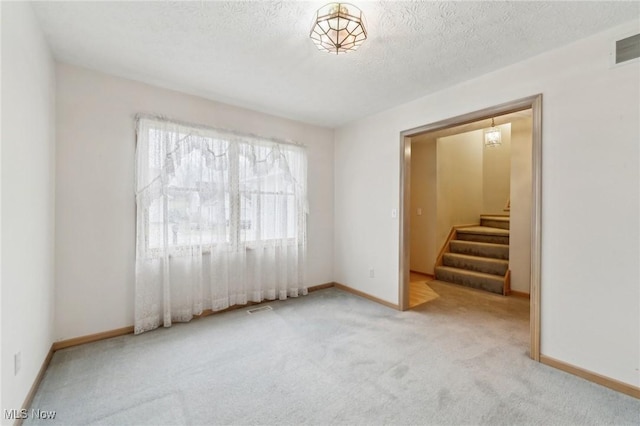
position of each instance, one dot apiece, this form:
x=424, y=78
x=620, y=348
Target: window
x=204, y=187
x=221, y=221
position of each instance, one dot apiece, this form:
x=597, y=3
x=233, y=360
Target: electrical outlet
x=372, y=273
x=17, y=363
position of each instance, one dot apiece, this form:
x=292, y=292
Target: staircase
x=477, y=256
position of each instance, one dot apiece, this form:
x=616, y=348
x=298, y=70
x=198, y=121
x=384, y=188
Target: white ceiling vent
x=627, y=49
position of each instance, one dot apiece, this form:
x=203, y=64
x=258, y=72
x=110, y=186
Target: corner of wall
x=1, y=364
x=27, y=227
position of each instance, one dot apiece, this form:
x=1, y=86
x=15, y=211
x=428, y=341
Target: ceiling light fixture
x=492, y=136
x=338, y=28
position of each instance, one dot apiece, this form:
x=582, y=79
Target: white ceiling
x=258, y=55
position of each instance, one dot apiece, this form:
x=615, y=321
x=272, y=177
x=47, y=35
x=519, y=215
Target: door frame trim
x=535, y=104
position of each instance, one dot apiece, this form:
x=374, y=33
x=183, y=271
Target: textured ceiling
x=258, y=55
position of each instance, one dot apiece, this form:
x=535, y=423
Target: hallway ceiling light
x=492, y=136
x=338, y=28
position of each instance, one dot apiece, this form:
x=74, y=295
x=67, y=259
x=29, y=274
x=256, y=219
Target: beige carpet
x=329, y=358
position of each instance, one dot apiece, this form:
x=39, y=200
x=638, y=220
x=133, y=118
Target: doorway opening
x=443, y=217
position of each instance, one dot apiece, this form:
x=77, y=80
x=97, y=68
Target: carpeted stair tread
x=483, y=234
x=492, y=217
x=476, y=263
x=479, y=280
x=484, y=230
x=475, y=248
x=502, y=222
x=478, y=257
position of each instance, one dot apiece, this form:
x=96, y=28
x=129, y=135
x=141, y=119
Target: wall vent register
x=627, y=49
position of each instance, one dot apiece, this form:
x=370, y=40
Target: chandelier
x=338, y=28
x=492, y=136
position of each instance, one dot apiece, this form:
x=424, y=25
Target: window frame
x=234, y=190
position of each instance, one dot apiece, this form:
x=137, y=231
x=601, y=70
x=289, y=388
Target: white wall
x=95, y=205
x=459, y=182
x=423, y=196
x=28, y=154
x=496, y=173
x=1, y=364
x=590, y=196
x=521, y=193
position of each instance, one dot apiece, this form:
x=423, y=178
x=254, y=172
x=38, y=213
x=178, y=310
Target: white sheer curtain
x=221, y=221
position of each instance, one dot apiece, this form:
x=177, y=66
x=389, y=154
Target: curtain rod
x=216, y=129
